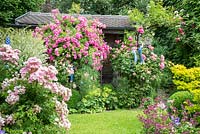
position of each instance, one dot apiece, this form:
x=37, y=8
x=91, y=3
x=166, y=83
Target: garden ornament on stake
x=140, y=31
x=7, y=41
x=134, y=54
x=71, y=72
x=140, y=53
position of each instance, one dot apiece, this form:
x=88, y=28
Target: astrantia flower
x=180, y=30
x=177, y=39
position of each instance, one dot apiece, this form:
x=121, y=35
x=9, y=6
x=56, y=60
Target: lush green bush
x=92, y=102
x=183, y=47
x=96, y=100
x=75, y=98
x=180, y=97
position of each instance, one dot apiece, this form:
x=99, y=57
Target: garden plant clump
x=32, y=100
x=161, y=118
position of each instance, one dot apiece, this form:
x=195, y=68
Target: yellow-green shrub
x=188, y=80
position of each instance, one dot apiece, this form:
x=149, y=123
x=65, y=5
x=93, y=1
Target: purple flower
x=176, y=120
x=2, y=132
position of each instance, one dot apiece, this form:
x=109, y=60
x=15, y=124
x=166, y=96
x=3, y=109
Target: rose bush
x=74, y=39
x=138, y=67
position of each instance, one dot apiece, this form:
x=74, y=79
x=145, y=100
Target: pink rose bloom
x=162, y=58
x=144, y=57
x=51, y=58
x=140, y=30
x=130, y=38
x=117, y=41
x=151, y=47
x=162, y=65
x=57, y=52
x=55, y=11
x=79, y=36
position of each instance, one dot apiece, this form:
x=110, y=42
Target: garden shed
x=115, y=27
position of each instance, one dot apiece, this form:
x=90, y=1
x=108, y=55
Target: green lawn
x=109, y=122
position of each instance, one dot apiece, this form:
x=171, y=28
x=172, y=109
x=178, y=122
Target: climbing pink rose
x=140, y=30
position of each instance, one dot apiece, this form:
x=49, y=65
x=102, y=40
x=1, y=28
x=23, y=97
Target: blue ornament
x=140, y=54
x=71, y=77
x=71, y=73
x=7, y=41
x=134, y=56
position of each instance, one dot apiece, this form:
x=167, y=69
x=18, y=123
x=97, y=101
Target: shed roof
x=117, y=22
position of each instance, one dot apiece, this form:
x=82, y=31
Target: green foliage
x=92, y=102
x=182, y=48
x=75, y=98
x=75, y=9
x=23, y=40
x=156, y=16
x=96, y=6
x=96, y=100
x=87, y=79
x=6, y=70
x=10, y=9
x=130, y=96
x=180, y=97
x=109, y=96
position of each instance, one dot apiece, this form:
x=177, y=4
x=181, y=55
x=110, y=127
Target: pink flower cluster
x=42, y=74
x=61, y=109
x=162, y=62
x=60, y=90
x=74, y=38
x=8, y=119
x=45, y=76
x=8, y=54
x=13, y=96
